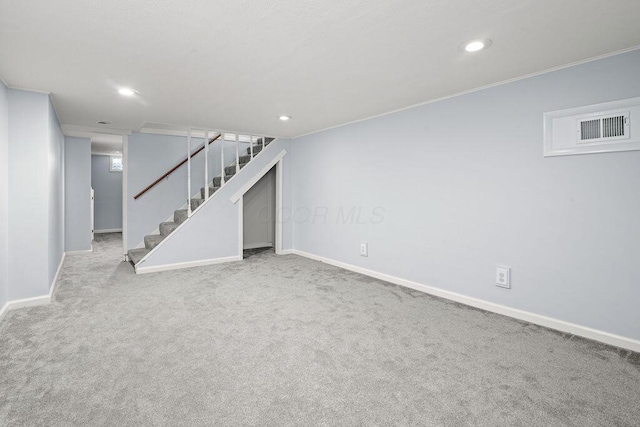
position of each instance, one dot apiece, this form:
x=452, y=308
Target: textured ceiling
x=237, y=65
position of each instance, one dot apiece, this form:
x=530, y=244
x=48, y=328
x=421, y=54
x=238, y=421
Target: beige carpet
x=288, y=341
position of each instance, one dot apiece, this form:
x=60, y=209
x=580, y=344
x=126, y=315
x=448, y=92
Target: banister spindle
x=206, y=164
x=263, y=138
x=222, y=159
x=189, y=173
x=237, y=154
x=251, y=146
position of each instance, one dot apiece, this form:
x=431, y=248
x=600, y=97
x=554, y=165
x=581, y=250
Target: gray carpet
x=288, y=341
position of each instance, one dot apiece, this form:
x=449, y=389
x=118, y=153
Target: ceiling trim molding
x=466, y=92
x=26, y=89
x=90, y=132
x=55, y=109
x=104, y=153
x=183, y=131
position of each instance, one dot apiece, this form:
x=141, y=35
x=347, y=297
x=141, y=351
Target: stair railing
x=206, y=166
x=223, y=137
x=237, y=153
x=172, y=170
x=222, y=174
x=189, y=172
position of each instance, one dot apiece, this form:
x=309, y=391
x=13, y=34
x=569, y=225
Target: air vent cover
x=603, y=128
x=598, y=128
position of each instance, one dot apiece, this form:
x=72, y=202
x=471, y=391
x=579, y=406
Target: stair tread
x=212, y=190
x=217, y=179
x=168, y=227
x=231, y=170
x=180, y=215
x=152, y=240
x=135, y=255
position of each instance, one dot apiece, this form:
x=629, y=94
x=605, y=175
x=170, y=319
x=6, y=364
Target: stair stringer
x=213, y=234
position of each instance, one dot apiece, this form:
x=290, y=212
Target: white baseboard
x=26, y=302
x=108, y=230
x=35, y=301
x=54, y=283
x=548, y=322
x=286, y=252
x=3, y=311
x=189, y=264
x=258, y=245
x=85, y=251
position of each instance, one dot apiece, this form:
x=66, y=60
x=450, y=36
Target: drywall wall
x=446, y=191
x=259, y=213
x=35, y=213
x=214, y=231
x=148, y=158
x=77, y=194
x=28, y=194
x=107, y=187
x=4, y=194
x=55, y=193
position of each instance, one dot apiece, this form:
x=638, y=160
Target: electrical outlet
x=503, y=277
x=364, y=249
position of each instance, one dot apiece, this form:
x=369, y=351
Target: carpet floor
x=283, y=340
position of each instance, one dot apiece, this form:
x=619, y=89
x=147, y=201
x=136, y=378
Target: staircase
x=181, y=215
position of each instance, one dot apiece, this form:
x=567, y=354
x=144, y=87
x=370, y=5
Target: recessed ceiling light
x=101, y=122
x=476, y=45
x=285, y=118
x=125, y=91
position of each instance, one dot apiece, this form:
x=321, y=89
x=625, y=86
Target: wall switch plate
x=364, y=249
x=503, y=277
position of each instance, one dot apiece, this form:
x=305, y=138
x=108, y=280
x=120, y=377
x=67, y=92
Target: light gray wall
x=107, y=187
x=259, y=212
x=28, y=194
x=4, y=194
x=148, y=158
x=35, y=213
x=77, y=194
x=214, y=232
x=445, y=191
x=56, y=193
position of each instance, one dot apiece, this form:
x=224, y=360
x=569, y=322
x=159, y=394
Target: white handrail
x=222, y=159
x=189, y=173
x=206, y=164
x=237, y=154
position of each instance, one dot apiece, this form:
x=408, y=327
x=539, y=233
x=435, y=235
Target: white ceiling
x=106, y=144
x=237, y=65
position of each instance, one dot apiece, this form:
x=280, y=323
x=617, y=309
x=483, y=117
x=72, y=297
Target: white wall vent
x=603, y=128
x=593, y=129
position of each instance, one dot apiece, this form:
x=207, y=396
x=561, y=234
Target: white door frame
x=93, y=214
x=125, y=167
x=239, y=196
x=278, y=219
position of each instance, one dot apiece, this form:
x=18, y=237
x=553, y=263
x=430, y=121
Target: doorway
x=259, y=216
